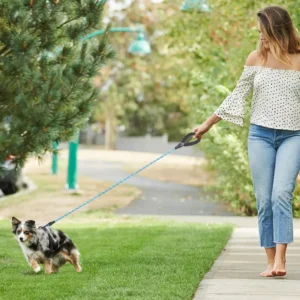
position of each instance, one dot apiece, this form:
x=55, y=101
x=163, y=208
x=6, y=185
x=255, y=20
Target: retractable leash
x=186, y=141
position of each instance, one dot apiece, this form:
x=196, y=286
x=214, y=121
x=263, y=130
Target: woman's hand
x=201, y=129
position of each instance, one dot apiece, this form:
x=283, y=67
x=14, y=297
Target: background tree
x=46, y=92
x=145, y=88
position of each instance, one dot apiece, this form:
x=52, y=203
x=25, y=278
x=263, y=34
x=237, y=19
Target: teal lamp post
x=54, y=158
x=196, y=5
x=139, y=47
x=72, y=164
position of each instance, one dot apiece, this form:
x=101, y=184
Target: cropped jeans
x=274, y=158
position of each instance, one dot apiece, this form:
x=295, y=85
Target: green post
x=72, y=165
x=55, y=158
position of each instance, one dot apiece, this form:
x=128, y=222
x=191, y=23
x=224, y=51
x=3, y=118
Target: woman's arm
x=250, y=61
x=233, y=108
x=234, y=99
x=212, y=120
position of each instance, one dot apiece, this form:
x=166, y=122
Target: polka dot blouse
x=275, y=100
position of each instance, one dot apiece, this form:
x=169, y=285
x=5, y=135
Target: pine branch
x=3, y=49
x=7, y=52
x=71, y=90
x=50, y=86
x=68, y=21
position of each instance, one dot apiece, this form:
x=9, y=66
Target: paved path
x=159, y=198
x=235, y=274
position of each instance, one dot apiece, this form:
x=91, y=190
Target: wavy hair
x=278, y=29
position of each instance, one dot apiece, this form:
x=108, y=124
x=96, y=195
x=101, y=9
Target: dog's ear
x=15, y=223
x=30, y=223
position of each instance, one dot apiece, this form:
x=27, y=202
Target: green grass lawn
x=121, y=259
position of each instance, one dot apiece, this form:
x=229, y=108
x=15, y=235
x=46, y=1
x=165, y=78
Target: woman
x=273, y=71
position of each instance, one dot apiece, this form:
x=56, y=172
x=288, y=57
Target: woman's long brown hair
x=277, y=26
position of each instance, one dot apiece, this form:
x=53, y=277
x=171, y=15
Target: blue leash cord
x=185, y=142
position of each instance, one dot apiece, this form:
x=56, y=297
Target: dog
x=47, y=246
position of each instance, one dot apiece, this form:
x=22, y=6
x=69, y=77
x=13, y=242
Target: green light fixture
x=140, y=46
x=198, y=5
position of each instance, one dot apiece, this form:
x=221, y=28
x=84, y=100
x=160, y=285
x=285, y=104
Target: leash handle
x=186, y=141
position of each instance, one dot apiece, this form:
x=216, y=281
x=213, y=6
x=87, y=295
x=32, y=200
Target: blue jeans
x=274, y=158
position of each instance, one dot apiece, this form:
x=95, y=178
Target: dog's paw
x=37, y=269
x=78, y=269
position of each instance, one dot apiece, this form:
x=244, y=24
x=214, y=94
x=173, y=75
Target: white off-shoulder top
x=275, y=101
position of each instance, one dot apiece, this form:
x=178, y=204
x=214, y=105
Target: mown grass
x=121, y=259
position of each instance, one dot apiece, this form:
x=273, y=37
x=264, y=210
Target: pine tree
x=46, y=92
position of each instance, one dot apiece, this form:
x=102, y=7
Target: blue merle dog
x=47, y=246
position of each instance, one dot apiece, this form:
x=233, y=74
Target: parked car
x=11, y=180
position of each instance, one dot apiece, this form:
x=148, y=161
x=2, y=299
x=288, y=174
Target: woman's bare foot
x=280, y=260
x=268, y=271
x=279, y=268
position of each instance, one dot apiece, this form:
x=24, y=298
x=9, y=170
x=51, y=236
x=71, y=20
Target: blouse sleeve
x=232, y=109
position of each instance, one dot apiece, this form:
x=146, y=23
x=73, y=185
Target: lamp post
x=72, y=164
x=198, y=5
x=138, y=47
x=54, y=158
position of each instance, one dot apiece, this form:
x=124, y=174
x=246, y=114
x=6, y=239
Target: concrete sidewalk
x=235, y=274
